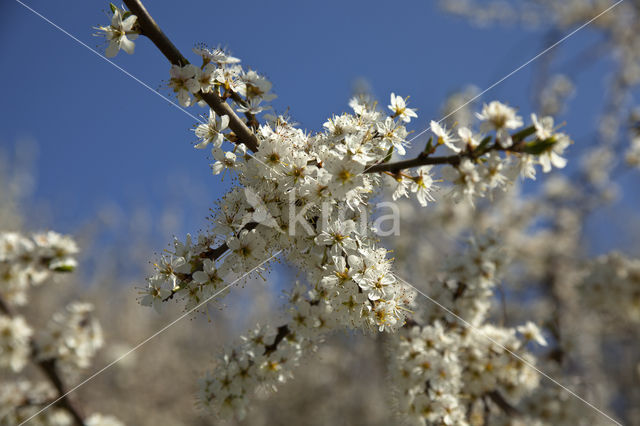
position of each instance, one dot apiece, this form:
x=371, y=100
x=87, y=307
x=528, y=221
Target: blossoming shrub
x=308, y=197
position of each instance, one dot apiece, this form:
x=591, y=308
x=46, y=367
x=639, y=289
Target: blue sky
x=103, y=139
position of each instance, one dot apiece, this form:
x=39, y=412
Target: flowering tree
x=469, y=353
x=309, y=198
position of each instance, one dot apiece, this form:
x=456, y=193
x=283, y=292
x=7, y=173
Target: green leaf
x=389, y=155
x=64, y=268
x=483, y=144
x=429, y=148
x=538, y=146
x=522, y=134
x=113, y=7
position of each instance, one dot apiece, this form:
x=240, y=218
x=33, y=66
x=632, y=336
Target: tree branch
x=283, y=331
x=212, y=254
x=50, y=370
x=421, y=160
x=151, y=30
x=424, y=158
x=504, y=405
x=48, y=367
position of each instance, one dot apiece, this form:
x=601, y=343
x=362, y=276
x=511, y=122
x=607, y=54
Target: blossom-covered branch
x=309, y=196
x=151, y=30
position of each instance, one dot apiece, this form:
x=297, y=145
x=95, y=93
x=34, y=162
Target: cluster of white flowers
x=15, y=342
x=30, y=397
x=26, y=261
x=308, y=196
x=617, y=23
x=220, y=72
x=67, y=343
x=612, y=285
x=441, y=368
x=266, y=358
x=71, y=337
x=482, y=169
x=22, y=399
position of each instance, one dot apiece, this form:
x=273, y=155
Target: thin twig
x=152, y=31
x=504, y=405
x=50, y=370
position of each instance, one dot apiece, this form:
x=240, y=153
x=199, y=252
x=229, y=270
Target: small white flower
x=553, y=155
x=444, y=136
x=216, y=55
x=531, y=332
x=170, y=267
x=499, y=117
x=15, y=336
x=346, y=174
x=252, y=106
x=399, y=108
x=184, y=81
x=256, y=87
x=224, y=160
x=400, y=190
x=466, y=136
x=466, y=180
x=209, y=273
x=207, y=78
x=97, y=419
x=393, y=133
x=338, y=235
x=526, y=166
x=120, y=33
x=211, y=132
x=248, y=249
x=422, y=185
x=544, y=126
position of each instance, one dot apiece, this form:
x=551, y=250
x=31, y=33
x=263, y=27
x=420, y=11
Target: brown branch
x=152, y=31
x=504, y=405
x=421, y=160
x=252, y=121
x=48, y=367
x=425, y=159
x=212, y=254
x=6, y=309
x=283, y=331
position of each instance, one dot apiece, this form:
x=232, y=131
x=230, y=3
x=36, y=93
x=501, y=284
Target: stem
x=283, y=331
x=504, y=405
x=212, y=254
x=420, y=160
x=152, y=31
x=50, y=370
x=48, y=367
x=424, y=158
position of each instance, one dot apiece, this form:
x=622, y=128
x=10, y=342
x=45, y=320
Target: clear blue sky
x=103, y=138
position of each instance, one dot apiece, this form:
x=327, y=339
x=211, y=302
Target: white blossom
x=499, y=117
x=184, y=81
x=399, y=108
x=120, y=33
x=211, y=132
x=444, y=136
x=531, y=332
